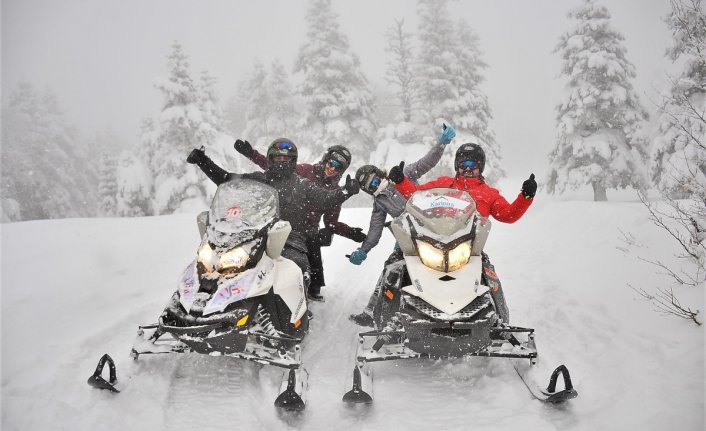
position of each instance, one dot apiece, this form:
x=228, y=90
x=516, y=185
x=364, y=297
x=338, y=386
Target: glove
x=529, y=187
x=352, y=187
x=197, y=155
x=358, y=256
x=396, y=174
x=358, y=235
x=243, y=147
x=447, y=135
x=324, y=236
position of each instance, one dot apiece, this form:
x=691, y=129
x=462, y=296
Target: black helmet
x=366, y=178
x=282, y=147
x=339, y=153
x=470, y=152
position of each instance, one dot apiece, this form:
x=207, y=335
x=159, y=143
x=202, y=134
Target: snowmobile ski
x=550, y=394
x=361, y=393
x=97, y=380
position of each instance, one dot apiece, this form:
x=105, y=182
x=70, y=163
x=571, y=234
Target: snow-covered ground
x=77, y=288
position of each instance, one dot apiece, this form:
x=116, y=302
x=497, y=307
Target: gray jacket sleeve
x=377, y=224
x=415, y=170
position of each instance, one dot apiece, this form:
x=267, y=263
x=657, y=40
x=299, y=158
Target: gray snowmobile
x=442, y=298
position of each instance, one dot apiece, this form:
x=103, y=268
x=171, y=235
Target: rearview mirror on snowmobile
x=276, y=238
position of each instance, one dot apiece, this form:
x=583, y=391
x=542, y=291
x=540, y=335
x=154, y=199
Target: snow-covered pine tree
x=107, y=185
x=284, y=109
x=134, y=183
x=400, y=67
x=339, y=104
x=270, y=109
x=599, y=120
x=255, y=92
x=449, y=75
x=679, y=149
x=46, y=171
x=182, y=125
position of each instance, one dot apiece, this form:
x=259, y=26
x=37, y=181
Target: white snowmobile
x=442, y=298
x=239, y=297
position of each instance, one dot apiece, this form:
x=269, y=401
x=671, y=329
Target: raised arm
x=416, y=170
x=214, y=172
x=244, y=148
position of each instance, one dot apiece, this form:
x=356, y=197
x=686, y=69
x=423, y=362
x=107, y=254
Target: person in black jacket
x=295, y=194
x=327, y=174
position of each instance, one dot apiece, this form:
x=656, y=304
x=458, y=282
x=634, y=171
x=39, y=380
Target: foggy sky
x=101, y=57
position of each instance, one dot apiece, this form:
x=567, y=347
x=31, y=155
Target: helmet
x=470, y=152
x=340, y=154
x=282, y=147
x=366, y=178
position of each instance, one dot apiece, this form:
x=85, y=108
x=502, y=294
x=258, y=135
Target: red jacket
x=315, y=174
x=488, y=200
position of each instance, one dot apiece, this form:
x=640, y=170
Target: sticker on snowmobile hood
x=430, y=202
x=187, y=290
x=234, y=289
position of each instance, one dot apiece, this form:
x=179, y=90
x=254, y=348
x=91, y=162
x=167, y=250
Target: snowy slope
x=75, y=289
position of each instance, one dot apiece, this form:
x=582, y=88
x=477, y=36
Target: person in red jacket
x=469, y=163
x=327, y=174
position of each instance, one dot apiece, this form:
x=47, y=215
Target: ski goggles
x=335, y=164
x=373, y=184
x=285, y=145
x=468, y=164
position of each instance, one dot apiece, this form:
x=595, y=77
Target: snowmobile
x=239, y=297
x=442, y=299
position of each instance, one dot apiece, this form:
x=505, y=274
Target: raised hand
x=396, y=174
x=447, y=135
x=243, y=147
x=196, y=155
x=529, y=187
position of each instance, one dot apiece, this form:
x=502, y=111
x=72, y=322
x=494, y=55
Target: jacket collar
x=467, y=183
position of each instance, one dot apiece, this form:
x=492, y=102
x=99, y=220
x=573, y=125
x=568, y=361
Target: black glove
x=396, y=174
x=197, y=155
x=324, y=236
x=243, y=147
x=529, y=187
x=352, y=187
x=358, y=235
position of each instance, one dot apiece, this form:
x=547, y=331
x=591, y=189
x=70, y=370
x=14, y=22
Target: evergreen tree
x=259, y=107
x=46, y=172
x=339, y=103
x=107, y=185
x=600, y=117
x=134, y=183
x=449, y=76
x=400, y=65
x=679, y=149
x=284, y=111
x=184, y=123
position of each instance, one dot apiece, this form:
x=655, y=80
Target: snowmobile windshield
x=442, y=211
x=240, y=209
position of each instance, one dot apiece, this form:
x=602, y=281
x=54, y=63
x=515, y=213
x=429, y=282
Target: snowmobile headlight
x=431, y=256
x=459, y=255
x=207, y=256
x=234, y=258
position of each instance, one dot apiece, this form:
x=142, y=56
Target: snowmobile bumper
x=152, y=340
x=503, y=344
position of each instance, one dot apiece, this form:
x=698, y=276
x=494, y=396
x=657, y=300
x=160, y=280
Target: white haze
x=102, y=57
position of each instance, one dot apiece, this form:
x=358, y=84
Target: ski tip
x=357, y=396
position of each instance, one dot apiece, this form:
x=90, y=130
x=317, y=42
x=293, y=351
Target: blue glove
x=358, y=256
x=447, y=135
